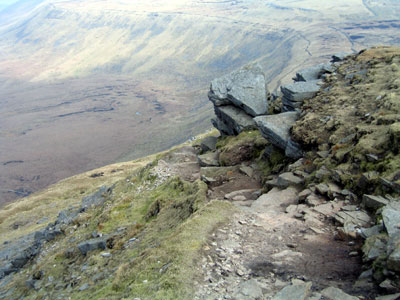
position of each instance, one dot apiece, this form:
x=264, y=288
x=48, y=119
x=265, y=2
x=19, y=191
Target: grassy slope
x=172, y=220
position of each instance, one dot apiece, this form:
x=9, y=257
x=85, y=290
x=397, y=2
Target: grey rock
x=332, y=293
x=275, y=200
x=234, y=120
x=249, y=171
x=388, y=286
x=84, y=287
x=247, y=194
x=32, y=284
x=360, y=218
x=313, y=73
x=304, y=194
x=293, y=149
x=391, y=220
x=222, y=127
x=322, y=188
x=338, y=57
x=47, y=234
x=289, y=179
x=374, y=202
x=295, y=292
x=371, y=231
x=93, y=244
x=394, y=260
x=249, y=290
x=299, y=91
x=96, y=199
x=245, y=88
x=210, y=159
x=67, y=216
x=216, y=100
x=209, y=143
x=390, y=184
x=276, y=128
x=389, y=297
x=374, y=247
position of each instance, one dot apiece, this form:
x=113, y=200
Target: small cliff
x=296, y=196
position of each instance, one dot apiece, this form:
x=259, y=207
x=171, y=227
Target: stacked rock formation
x=305, y=86
x=239, y=97
x=241, y=102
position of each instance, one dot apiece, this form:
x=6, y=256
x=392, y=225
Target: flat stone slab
x=332, y=293
x=391, y=220
x=299, y=91
x=244, y=88
x=235, y=119
x=209, y=143
x=389, y=297
x=275, y=200
x=313, y=73
x=359, y=218
x=248, y=290
x=210, y=159
x=287, y=179
x=295, y=292
x=374, y=202
x=93, y=244
x=276, y=128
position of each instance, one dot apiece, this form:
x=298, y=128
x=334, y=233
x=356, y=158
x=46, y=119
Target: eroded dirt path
x=266, y=246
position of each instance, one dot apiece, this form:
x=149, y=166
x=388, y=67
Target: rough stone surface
x=276, y=128
x=332, y=293
x=338, y=57
x=276, y=199
x=208, y=143
x=288, y=179
x=210, y=159
x=234, y=120
x=248, y=290
x=93, y=244
x=394, y=260
x=374, y=202
x=299, y=91
x=391, y=220
x=313, y=73
x=96, y=199
x=245, y=88
x=293, y=149
x=298, y=292
x=389, y=297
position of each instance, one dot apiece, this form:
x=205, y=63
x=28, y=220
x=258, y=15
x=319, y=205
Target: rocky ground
x=301, y=201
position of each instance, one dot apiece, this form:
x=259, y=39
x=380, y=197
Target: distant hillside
x=296, y=197
x=87, y=83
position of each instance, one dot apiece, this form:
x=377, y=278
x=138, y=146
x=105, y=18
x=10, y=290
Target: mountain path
x=266, y=246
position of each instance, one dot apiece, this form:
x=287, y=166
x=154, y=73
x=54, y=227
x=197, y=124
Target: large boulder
x=276, y=128
x=233, y=119
x=244, y=88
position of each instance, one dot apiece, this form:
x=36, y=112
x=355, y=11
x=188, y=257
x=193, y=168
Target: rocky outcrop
x=237, y=98
x=244, y=88
x=294, y=94
x=276, y=129
x=313, y=73
x=16, y=254
x=233, y=119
